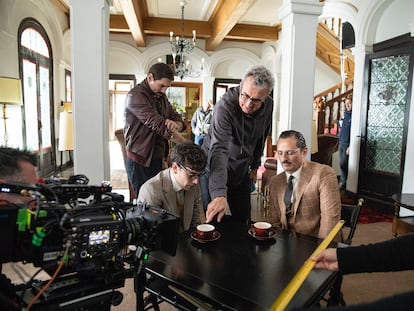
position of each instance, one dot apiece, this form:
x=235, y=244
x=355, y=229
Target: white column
x=359, y=53
x=299, y=26
x=90, y=41
x=208, y=90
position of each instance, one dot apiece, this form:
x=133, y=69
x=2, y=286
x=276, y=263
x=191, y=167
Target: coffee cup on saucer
x=262, y=229
x=205, y=231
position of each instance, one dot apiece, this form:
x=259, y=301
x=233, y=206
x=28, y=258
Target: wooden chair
x=270, y=149
x=327, y=146
x=270, y=166
x=119, y=134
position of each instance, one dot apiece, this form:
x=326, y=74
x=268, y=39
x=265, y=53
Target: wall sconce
x=66, y=127
x=10, y=94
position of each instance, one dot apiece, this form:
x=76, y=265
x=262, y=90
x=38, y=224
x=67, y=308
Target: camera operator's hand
x=326, y=259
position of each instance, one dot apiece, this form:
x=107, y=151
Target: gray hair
x=262, y=77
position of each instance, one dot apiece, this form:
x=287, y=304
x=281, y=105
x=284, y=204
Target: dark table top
x=239, y=272
x=405, y=200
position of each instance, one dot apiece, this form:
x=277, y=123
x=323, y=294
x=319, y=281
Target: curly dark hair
x=190, y=155
x=300, y=140
x=10, y=159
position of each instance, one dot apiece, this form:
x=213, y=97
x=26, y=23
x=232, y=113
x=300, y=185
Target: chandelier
x=180, y=47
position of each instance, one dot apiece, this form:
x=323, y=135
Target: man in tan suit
x=176, y=189
x=313, y=206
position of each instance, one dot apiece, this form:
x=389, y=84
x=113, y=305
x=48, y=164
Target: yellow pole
x=296, y=282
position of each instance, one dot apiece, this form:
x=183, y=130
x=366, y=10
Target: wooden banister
x=328, y=103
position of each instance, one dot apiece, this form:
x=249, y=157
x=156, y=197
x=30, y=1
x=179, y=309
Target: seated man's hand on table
x=217, y=207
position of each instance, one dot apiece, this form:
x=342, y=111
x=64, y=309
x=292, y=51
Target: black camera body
x=102, y=242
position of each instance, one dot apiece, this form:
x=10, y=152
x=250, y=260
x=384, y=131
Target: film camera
x=85, y=237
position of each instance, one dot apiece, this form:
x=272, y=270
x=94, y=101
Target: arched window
x=36, y=71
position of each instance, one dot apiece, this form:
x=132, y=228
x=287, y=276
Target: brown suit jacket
x=317, y=202
x=158, y=191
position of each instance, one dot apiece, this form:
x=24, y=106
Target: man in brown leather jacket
x=150, y=121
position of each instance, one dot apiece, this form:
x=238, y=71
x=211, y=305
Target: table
x=404, y=200
x=403, y=221
x=237, y=272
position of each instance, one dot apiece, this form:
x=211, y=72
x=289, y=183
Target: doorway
x=119, y=86
x=186, y=97
x=384, y=134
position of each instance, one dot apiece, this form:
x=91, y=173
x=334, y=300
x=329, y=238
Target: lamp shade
x=66, y=128
x=10, y=91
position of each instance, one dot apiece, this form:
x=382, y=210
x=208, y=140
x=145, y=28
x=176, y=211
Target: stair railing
x=329, y=107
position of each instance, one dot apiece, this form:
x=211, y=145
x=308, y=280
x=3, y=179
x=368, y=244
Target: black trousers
x=139, y=174
x=238, y=197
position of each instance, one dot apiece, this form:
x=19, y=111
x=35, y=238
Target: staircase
x=328, y=104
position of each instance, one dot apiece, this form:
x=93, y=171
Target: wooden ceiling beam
x=254, y=33
x=118, y=23
x=62, y=5
x=163, y=26
x=134, y=13
x=226, y=15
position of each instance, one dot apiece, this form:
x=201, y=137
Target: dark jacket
x=392, y=255
x=345, y=132
x=145, y=115
x=235, y=141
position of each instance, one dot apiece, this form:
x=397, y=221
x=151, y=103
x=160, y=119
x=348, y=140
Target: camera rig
x=88, y=248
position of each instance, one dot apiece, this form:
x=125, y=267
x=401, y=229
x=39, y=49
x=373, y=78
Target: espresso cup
x=205, y=231
x=262, y=228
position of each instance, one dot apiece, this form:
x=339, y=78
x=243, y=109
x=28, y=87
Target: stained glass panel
x=385, y=123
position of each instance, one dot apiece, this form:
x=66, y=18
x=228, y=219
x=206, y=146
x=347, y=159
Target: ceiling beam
x=134, y=12
x=62, y=5
x=254, y=33
x=163, y=26
x=226, y=15
x=117, y=23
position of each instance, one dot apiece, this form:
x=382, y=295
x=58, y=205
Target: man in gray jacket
x=200, y=122
x=176, y=189
x=234, y=145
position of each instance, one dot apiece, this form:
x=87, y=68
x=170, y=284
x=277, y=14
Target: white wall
x=395, y=20
x=324, y=77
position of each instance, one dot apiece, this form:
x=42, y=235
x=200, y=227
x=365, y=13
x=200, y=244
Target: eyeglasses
x=247, y=97
x=190, y=174
x=288, y=153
